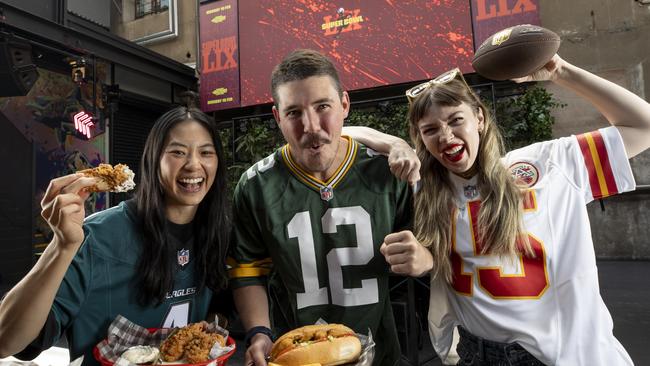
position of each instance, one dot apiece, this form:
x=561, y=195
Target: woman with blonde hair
x=514, y=265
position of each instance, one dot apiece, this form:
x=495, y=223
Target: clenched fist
x=405, y=255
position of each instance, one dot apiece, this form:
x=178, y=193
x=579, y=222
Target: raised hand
x=63, y=208
x=25, y=307
x=550, y=71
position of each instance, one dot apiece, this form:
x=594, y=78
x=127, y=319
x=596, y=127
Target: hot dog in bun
x=325, y=344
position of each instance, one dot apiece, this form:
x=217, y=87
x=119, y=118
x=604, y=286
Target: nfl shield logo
x=183, y=257
x=326, y=193
x=470, y=192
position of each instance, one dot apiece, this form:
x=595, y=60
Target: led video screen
x=372, y=42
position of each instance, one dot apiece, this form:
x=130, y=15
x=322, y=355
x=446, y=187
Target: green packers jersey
x=99, y=285
x=316, y=244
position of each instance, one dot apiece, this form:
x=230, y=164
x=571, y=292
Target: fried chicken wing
x=173, y=348
x=110, y=179
x=198, y=349
x=191, y=343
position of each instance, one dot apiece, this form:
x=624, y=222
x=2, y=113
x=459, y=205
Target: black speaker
x=17, y=72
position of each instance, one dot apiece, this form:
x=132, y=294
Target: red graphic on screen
x=219, y=54
x=376, y=43
x=491, y=16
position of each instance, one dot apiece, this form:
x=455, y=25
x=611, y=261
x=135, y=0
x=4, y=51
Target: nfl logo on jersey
x=183, y=257
x=470, y=192
x=326, y=193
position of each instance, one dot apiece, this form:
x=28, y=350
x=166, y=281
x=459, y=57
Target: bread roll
x=326, y=344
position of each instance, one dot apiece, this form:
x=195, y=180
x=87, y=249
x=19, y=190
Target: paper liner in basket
x=123, y=334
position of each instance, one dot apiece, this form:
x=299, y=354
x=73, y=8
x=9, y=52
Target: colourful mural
x=44, y=117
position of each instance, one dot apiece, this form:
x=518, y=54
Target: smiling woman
x=451, y=134
x=514, y=265
x=188, y=167
x=146, y=259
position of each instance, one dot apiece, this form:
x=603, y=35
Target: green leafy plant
x=387, y=117
x=525, y=119
x=235, y=170
x=256, y=139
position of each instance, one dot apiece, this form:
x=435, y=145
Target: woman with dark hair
x=154, y=259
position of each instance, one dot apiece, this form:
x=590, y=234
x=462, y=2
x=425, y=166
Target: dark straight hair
x=210, y=224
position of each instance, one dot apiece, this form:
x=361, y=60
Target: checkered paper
x=123, y=334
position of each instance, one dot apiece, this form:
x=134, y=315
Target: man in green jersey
x=312, y=221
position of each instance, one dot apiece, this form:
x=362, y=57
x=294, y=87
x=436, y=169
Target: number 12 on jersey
x=300, y=227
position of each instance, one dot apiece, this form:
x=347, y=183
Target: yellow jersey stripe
x=351, y=157
x=597, y=166
x=314, y=182
x=343, y=164
x=286, y=156
x=248, y=272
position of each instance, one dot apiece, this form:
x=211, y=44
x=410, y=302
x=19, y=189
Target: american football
x=515, y=52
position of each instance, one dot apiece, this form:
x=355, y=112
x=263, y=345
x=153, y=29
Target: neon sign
x=83, y=122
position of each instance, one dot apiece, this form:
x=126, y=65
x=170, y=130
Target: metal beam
x=86, y=38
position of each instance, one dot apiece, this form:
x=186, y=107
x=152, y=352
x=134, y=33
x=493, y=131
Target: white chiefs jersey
x=549, y=304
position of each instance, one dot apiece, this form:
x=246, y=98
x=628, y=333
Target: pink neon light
x=83, y=122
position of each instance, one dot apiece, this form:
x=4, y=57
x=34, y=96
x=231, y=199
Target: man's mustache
x=312, y=139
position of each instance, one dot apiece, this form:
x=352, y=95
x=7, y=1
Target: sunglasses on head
x=443, y=78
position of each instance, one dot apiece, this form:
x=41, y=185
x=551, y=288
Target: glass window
x=144, y=7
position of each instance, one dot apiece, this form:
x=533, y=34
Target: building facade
x=62, y=68
x=610, y=39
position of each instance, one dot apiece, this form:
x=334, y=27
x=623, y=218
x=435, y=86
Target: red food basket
x=219, y=361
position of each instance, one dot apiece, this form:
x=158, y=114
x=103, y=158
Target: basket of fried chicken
x=196, y=344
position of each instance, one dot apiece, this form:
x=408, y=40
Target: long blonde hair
x=500, y=218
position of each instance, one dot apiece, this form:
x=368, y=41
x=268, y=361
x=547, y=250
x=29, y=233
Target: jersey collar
x=315, y=183
x=466, y=189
